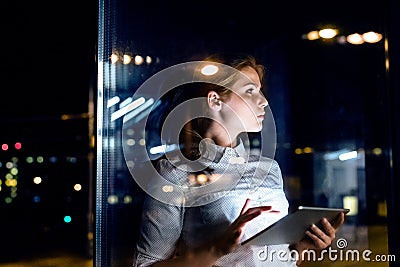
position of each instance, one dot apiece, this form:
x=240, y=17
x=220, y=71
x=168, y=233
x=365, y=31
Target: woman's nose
x=263, y=102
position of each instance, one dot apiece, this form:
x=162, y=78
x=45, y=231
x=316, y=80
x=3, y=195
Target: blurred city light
x=39, y=159
x=372, y=37
x=127, y=199
x=313, y=35
x=125, y=102
x=351, y=202
x=126, y=59
x=138, y=60
x=354, y=38
x=113, y=101
x=77, y=187
x=348, y=155
x=148, y=59
x=327, y=33
x=163, y=149
x=135, y=104
x=112, y=199
x=74, y=116
x=209, y=70
x=114, y=58
x=18, y=145
x=140, y=112
x=67, y=219
x=4, y=147
x=377, y=151
x=36, y=199
x=307, y=150
x=14, y=171
x=37, y=180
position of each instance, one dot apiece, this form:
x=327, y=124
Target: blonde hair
x=238, y=62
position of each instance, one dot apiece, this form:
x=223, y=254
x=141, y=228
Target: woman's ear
x=213, y=101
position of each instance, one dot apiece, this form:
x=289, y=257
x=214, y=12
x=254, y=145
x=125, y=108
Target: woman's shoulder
x=263, y=160
x=169, y=163
x=177, y=169
x=266, y=164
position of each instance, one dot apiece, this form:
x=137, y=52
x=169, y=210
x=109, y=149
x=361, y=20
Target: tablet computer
x=291, y=228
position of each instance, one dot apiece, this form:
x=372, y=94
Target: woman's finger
x=325, y=237
x=329, y=229
x=318, y=243
x=250, y=214
x=339, y=220
x=245, y=206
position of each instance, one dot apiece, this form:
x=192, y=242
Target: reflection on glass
x=325, y=95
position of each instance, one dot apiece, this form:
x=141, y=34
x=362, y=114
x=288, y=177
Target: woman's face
x=247, y=104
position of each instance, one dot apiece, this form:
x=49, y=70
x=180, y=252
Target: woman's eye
x=250, y=91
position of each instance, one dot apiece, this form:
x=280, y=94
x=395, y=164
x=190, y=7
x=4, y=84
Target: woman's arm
x=227, y=242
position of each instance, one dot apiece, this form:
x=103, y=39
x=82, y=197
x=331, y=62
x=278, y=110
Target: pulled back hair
x=194, y=130
x=239, y=62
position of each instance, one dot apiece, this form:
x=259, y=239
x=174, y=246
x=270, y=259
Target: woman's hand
x=319, y=237
x=229, y=241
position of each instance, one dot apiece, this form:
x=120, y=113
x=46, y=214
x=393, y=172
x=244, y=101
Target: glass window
x=327, y=94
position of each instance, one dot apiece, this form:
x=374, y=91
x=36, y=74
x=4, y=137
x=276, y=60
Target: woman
x=228, y=193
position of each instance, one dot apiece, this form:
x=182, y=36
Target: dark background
x=48, y=65
x=48, y=56
x=47, y=68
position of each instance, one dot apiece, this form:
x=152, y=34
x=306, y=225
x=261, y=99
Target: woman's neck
x=220, y=136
